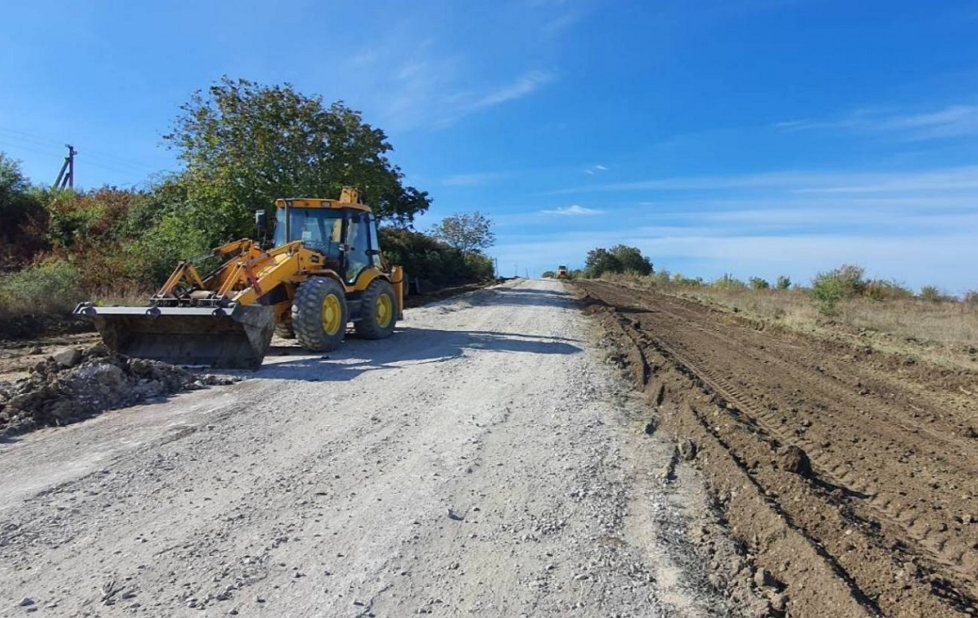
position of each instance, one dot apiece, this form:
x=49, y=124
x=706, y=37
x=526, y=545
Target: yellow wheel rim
x=384, y=311
x=332, y=314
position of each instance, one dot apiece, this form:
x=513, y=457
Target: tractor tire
x=319, y=314
x=284, y=330
x=378, y=311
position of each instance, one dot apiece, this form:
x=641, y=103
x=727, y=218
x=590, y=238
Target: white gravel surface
x=485, y=460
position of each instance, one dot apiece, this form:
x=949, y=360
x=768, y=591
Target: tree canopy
x=466, y=232
x=16, y=201
x=631, y=260
x=245, y=144
x=619, y=259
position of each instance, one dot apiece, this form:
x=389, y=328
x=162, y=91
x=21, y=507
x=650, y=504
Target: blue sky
x=754, y=137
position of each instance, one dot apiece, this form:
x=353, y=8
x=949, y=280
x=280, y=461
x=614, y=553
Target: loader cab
x=345, y=233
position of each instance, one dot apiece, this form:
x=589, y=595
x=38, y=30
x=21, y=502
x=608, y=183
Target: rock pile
x=74, y=384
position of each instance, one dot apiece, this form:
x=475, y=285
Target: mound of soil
x=34, y=326
x=73, y=384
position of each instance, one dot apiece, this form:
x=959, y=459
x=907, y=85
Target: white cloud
x=596, y=169
x=472, y=180
x=574, y=210
x=560, y=23
x=951, y=121
x=524, y=85
x=932, y=181
x=413, y=83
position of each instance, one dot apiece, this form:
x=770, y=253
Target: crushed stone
x=76, y=384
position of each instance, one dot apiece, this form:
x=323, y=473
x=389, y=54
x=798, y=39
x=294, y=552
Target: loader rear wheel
x=378, y=311
x=319, y=314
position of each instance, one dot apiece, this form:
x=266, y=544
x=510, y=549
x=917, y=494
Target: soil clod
x=796, y=461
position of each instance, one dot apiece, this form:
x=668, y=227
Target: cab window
x=375, y=243
x=357, y=235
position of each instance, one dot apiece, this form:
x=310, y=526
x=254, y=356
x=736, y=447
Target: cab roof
x=311, y=202
x=349, y=198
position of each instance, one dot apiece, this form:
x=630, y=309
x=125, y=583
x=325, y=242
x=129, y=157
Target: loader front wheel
x=319, y=314
x=284, y=330
x=378, y=311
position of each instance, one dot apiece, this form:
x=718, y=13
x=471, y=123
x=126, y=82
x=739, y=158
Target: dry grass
x=944, y=333
x=128, y=294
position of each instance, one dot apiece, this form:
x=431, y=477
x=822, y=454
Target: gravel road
x=486, y=460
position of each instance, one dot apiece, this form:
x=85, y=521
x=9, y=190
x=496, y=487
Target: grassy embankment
x=929, y=327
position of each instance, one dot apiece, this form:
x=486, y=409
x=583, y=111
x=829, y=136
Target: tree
x=600, y=261
x=631, y=260
x=620, y=259
x=465, y=232
x=784, y=282
x=431, y=260
x=245, y=145
x=759, y=283
x=22, y=216
x=17, y=203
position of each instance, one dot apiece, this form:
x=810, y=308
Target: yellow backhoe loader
x=323, y=270
x=561, y=272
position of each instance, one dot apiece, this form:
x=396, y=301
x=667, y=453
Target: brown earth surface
x=18, y=357
x=849, y=474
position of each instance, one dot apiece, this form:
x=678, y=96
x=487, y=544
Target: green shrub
x=783, y=283
x=22, y=217
x=881, y=289
x=933, y=294
x=44, y=288
x=662, y=277
x=728, y=282
x=758, y=283
x=830, y=288
x=431, y=260
x=970, y=297
x=548, y=274
x=687, y=282
x=478, y=266
x=154, y=256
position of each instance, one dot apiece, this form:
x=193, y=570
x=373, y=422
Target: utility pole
x=67, y=180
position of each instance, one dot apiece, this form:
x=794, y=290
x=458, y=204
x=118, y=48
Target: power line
x=92, y=156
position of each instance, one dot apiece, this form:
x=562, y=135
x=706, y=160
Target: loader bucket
x=234, y=337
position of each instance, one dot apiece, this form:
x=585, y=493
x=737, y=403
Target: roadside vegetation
x=242, y=145
x=841, y=302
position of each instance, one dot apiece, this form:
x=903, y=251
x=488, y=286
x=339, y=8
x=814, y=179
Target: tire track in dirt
x=948, y=551
x=876, y=517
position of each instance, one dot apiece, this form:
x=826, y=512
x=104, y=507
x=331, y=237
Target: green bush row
x=48, y=287
x=432, y=261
